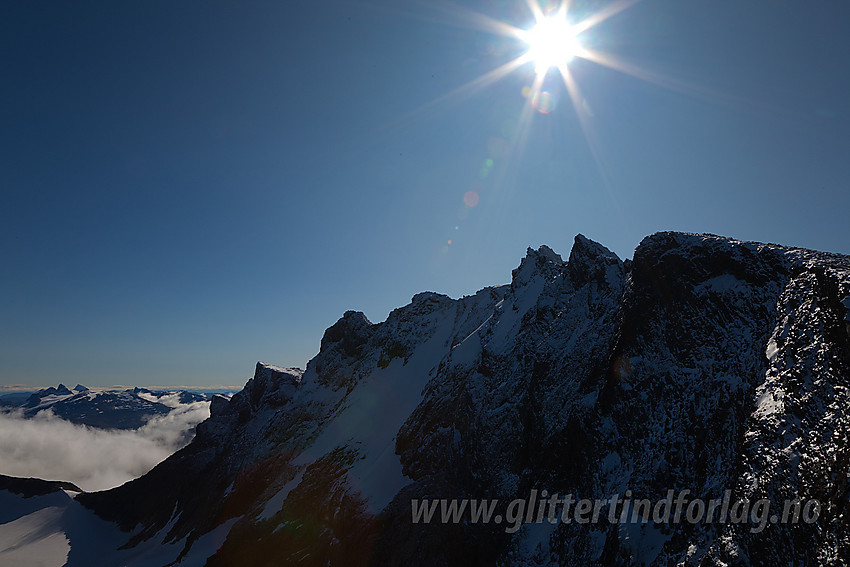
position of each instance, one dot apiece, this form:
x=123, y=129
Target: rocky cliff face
x=705, y=364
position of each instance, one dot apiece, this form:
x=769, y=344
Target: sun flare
x=552, y=42
x=556, y=38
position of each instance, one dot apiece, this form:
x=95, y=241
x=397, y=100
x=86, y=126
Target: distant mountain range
x=705, y=366
x=105, y=409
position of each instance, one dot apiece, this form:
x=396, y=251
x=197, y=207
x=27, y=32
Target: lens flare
x=543, y=102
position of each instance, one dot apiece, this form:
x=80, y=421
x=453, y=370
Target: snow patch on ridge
x=771, y=349
x=725, y=283
x=275, y=503
x=34, y=540
x=375, y=411
x=207, y=545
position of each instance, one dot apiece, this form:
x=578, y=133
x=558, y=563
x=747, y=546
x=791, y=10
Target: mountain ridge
x=102, y=408
x=704, y=364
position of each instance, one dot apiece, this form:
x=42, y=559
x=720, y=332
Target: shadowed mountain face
x=705, y=364
x=29, y=487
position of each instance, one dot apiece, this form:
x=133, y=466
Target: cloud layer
x=46, y=446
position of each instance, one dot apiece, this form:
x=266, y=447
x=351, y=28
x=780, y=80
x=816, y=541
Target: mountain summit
x=706, y=366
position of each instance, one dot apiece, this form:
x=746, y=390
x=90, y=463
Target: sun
x=552, y=42
x=557, y=37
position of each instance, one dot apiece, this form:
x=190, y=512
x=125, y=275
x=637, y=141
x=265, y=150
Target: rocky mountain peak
x=271, y=385
x=350, y=332
x=543, y=262
x=590, y=260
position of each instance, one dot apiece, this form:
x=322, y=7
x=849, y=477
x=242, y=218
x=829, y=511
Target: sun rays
x=553, y=40
x=544, y=52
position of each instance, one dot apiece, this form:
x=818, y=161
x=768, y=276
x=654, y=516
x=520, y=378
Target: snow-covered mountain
x=705, y=364
x=104, y=409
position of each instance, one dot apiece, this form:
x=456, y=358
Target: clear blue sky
x=190, y=187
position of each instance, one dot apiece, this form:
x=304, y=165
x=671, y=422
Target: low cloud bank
x=46, y=446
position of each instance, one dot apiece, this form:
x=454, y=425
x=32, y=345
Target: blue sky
x=190, y=187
